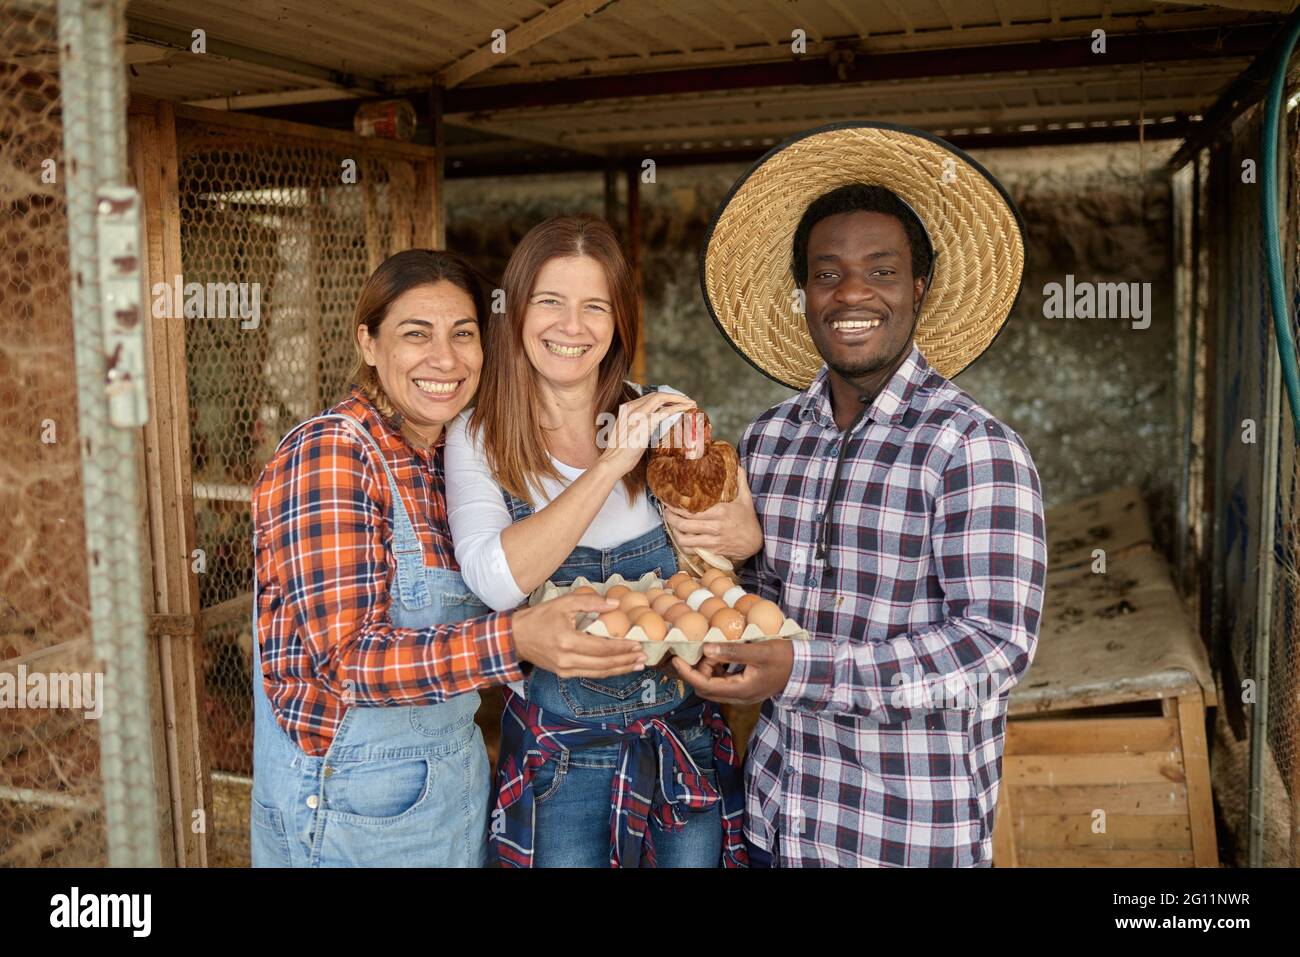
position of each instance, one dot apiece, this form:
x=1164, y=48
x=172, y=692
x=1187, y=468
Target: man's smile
x=854, y=328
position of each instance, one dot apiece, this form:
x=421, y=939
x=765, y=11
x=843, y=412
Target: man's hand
x=767, y=671
x=729, y=529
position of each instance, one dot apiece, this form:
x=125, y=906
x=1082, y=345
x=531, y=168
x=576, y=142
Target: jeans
x=572, y=824
x=400, y=786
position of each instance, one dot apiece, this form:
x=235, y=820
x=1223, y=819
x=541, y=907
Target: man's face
x=861, y=295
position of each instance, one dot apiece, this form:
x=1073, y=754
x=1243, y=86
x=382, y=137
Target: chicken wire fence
x=294, y=225
x=76, y=771
x=1249, y=526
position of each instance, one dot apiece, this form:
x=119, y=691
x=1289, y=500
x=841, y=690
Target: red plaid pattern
x=323, y=566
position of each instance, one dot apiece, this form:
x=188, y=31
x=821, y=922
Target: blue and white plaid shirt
x=885, y=748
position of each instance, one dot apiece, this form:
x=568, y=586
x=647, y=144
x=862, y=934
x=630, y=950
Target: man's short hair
x=860, y=198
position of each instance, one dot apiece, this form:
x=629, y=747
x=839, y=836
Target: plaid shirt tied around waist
x=655, y=778
x=923, y=603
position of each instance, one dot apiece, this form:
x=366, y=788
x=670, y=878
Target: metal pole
x=104, y=258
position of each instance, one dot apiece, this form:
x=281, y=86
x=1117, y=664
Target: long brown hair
x=509, y=409
x=398, y=274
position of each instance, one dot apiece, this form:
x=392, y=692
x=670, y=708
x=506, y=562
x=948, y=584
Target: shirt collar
x=888, y=407
x=388, y=431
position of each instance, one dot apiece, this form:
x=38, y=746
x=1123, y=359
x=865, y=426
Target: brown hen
x=688, y=470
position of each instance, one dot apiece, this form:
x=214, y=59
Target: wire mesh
x=300, y=222
x=1244, y=764
x=50, y=797
x=76, y=775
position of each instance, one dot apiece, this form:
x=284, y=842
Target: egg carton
x=675, y=642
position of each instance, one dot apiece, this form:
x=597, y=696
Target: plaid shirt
x=656, y=778
x=320, y=516
x=885, y=747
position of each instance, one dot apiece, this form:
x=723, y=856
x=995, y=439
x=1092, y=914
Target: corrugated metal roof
x=281, y=50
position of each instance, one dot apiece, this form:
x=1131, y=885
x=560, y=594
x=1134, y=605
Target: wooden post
x=1004, y=835
x=634, y=255
x=439, y=212
x=611, y=200
x=167, y=482
x=1196, y=768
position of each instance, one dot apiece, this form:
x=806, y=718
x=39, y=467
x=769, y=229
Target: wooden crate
x=1105, y=762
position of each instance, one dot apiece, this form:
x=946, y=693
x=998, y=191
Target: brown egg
x=707, y=578
x=767, y=616
x=685, y=587
x=664, y=602
x=693, y=625
x=584, y=590
x=617, y=592
x=721, y=586
x=746, y=602
x=676, y=580
x=728, y=621
x=655, y=628
x=676, y=611
x=616, y=623
x=653, y=593
x=633, y=599
x=709, y=607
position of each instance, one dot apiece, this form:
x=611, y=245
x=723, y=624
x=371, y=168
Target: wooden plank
x=1191, y=723
x=1090, y=857
x=401, y=190
x=169, y=488
x=232, y=609
x=1166, y=799
x=1123, y=832
x=1053, y=770
x=376, y=251
x=1004, y=838
x=369, y=145
x=1122, y=735
x=1114, y=637
x=77, y=646
x=634, y=255
x=1112, y=521
x=559, y=17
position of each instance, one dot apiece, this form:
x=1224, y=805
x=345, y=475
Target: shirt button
x=313, y=801
x=833, y=451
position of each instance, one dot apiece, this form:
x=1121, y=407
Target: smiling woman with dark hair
x=370, y=649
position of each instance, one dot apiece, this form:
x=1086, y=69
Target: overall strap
x=519, y=509
x=412, y=589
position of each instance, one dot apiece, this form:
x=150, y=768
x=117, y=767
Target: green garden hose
x=1274, y=115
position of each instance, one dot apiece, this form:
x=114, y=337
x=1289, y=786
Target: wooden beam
x=634, y=255
x=1196, y=765
x=527, y=164
x=559, y=17
x=178, y=39
x=1053, y=55
x=1241, y=94
x=168, y=480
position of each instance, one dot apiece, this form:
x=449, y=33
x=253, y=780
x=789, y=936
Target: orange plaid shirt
x=320, y=513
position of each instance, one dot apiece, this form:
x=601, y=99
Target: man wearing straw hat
x=893, y=516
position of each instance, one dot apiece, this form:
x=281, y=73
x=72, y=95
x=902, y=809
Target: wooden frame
x=177, y=622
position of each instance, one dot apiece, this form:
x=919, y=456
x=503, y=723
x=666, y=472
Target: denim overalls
x=572, y=794
x=401, y=786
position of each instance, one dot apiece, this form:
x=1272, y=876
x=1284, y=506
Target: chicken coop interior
x=1129, y=134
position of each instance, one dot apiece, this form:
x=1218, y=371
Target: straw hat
x=974, y=229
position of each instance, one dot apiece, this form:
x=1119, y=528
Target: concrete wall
x=1093, y=398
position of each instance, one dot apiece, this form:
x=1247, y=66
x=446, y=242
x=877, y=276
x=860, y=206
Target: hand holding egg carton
x=678, y=616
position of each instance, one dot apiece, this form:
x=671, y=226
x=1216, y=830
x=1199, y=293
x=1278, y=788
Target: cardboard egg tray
x=675, y=642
